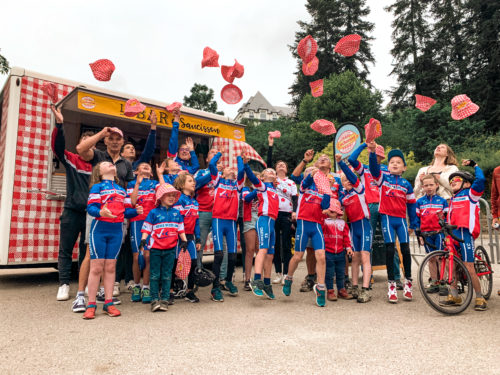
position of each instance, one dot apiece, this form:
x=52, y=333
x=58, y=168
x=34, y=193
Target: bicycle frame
x=450, y=247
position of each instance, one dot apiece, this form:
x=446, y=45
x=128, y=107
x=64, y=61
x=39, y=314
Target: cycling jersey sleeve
x=477, y=188
x=375, y=168
x=241, y=173
x=149, y=150
x=202, y=179
x=253, y=179
x=325, y=202
x=94, y=201
x=353, y=158
x=250, y=196
x=173, y=144
x=195, y=164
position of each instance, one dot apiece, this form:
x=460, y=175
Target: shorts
x=191, y=248
x=105, y=239
x=248, y=225
x=392, y=226
x=467, y=247
x=361, y=235
x=88, y=223
x=305, y=230
x=136, y=235
x=436, y=240
x=224, y=228
x=266, y=233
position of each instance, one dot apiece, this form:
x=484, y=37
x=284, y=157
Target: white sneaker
x=408, y=293
x=278, y=279
x=116, y=289
x=392, y=293
x=79, y=304
x=63, y=293
x=130, y=286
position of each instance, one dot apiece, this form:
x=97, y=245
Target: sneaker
x=278, y=278
x=343, y=294
x=63, y=293
x=355, y=291
x=116, y=289
x=399, y=285
x=320, y=296
x=268, y=291
x=100, y=299
x=307, y=285
x=392, y=293
x=111, y=310
x=136, y=294
x=163, y=305
x=155, y=306
x=231, y=288
x=330, y=295
x=432, y=288
x=247, y=286
x=347, y=282
x=217, y=295
x=191, y=297
x=364, y=296
x=287, y=288
x=257, y=287
x=130, y=286
x=451, y=301
x=146, y=295
x=443, y=290
x=408, y=294
x=171, y=299
x=222, y=286
x=89, y=312
x=480, y=304
x=78, y=304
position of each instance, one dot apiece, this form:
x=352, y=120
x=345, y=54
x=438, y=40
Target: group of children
x=164, y=218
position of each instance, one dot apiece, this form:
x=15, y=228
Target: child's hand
x=140, y=178
x=270, y=140
x=245, y=157
x=153, y=118
x=198, y=246
x=177, y=114
x=421, y=241
x=338, y=158
x=139, y=209
x=314, y=171
x=309, y=155
x=189, y=143
x=182, y=171
x=57, y=114
x=349, y=252
x=294, y=216
x=324, y=212
x=105, y=212
x=372, y=146
x=468, y=163
x=410, y=231
x=160, y=170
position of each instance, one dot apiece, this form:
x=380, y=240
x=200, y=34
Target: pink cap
x=274, y=134
x=307, y=48
x=133, y=107
x=424, y=103
x=210, y=58
x=173, y=106
x=462, y=107
x=379, y=151
x=335, y=206
x=311, y=67
x=316, y=88
x=324, y=127
x=231, y=94
x=348, y=45
x=165, y=189
x=116, y=130
x=102, y=69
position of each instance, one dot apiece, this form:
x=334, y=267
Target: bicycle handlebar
x=447, y=229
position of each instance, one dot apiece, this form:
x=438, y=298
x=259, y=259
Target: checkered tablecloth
x=233, y=148
x=34, y=234
x=3, y=130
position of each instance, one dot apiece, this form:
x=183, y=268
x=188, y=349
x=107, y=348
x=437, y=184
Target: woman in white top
x=443, y=164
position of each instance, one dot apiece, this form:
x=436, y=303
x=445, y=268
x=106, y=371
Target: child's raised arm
x=353, y=158
x=173, y=143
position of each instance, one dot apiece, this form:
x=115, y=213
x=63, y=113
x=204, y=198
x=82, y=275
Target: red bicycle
x=442, y=271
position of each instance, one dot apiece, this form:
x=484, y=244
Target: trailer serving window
x=85, y=110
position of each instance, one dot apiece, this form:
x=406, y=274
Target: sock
x=108, y=301
x=454, y=292
x=479, y=295
x=311, y=276
x=267, y=281
x=321, y=286
x=365, y=288
x=80, y=293
x=288, y=277
x=145, y=287
x=91, y=303
x=257, y=276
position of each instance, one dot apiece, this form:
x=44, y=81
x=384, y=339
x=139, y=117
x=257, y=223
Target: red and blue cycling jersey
x=226, y=192
x=188, y=207
x=372, y=193
x=173, y=148
x=146, y=196
x=204, y=190
x=427, y=209
x=464, y=205
x=250, y=203
x=354, y=201
x=396, y=193
x=108, y=193
x=311, y=202
x=163, y=225
x=269, y=203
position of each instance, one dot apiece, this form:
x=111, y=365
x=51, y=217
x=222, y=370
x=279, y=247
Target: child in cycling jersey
x=142, y=192
x=464, y=213
x=109, y=204
x=397, y=200
x=428, y=210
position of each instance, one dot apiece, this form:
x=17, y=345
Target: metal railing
x=487, y=240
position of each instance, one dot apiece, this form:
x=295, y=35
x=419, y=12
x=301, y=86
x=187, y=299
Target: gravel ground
x=243, y=335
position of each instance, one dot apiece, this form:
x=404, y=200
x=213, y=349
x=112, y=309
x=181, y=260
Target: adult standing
x=442, y=166
x=72, y=220
x=495, y=200
x=128, y=150
x=287, y=192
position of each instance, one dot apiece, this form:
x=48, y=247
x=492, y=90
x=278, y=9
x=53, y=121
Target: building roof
x=257, y=102
x=284, y=111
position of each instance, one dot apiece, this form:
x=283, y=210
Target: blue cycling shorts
x=266, y=233
x=392, y=226
x=224, y=228
x=308, y=230
x=467, y=247
x=105, y=239
x=361, y=235
x=436, y=240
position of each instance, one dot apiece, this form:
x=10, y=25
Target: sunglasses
x=456, y=179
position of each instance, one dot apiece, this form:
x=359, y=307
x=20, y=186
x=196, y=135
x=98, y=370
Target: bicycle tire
x=486, y=281
x=464, y=284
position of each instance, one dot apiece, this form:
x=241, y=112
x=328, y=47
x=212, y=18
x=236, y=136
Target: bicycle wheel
x=482, y=265
x=432, y=284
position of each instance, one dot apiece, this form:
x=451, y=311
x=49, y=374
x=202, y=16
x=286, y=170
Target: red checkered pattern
x=3, y=129
x=183, y=265
x=34, y=233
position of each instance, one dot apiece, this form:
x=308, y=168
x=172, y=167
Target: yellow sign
x=115, y=107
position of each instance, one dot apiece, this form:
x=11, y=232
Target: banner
x=347, y=139
x=115, y=107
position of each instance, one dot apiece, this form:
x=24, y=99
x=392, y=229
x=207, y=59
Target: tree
x=4, y=65
x=331, y=20
x=202, y=98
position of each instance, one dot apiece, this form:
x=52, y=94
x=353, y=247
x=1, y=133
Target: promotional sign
x=115, y=107
x=347, y=139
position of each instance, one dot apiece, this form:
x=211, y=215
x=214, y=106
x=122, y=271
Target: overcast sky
x=157, y=46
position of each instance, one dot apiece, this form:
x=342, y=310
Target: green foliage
x=4, y=65
x=330, y=21
x=345, y=98
x=202, y=98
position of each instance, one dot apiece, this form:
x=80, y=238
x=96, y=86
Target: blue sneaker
x=231, y=288
x=320, y=296
x=136, y=294
x=268, y=290
x=217, y=295
x=287, y=288
x=257, y=286
x=146, y=295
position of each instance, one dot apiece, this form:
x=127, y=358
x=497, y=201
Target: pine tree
x=202, y=98
x=331, y=20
